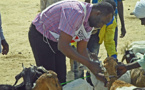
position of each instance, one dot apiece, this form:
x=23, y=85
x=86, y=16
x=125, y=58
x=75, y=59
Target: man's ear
x=98, y=12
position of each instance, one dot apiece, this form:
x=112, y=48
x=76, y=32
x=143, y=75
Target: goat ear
x=17, y=77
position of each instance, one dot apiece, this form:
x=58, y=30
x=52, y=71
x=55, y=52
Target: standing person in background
x=52, y=31
x=119, y=10
x=94, y=46
x=3, y=42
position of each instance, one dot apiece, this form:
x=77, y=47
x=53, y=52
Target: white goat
x=78, y=84
x=137, y=46
x=99, y=85
x=133, y=49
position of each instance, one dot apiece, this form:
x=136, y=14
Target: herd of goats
x=38, y=78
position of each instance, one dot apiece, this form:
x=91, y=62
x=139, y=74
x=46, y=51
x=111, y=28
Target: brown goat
x=48, y=81
x=138, y=77
x=120, y=84
x=109, y=64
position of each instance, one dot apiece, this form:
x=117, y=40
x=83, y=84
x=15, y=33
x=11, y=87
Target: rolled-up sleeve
x=142, y=62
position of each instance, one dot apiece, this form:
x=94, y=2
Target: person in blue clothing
x=3, y=42
x=94, y=42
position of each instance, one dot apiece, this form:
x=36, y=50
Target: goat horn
x=123, y=58
x=23, y=65
x=49, y=75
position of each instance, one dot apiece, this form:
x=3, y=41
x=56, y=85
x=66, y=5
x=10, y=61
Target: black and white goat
x=134, y=51
x=29, y=75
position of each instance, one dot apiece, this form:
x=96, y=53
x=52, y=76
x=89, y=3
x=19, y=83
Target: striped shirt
x=66, y=16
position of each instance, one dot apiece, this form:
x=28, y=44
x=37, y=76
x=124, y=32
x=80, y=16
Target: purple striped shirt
x=66, y=16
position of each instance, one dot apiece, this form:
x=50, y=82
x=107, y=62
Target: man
x=3, y=42
x=139, y=12
x=52, y=31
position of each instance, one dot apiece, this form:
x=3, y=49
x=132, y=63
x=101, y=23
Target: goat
x=99, y=85
x=115, y=84
x=48, y=81
x=138, y=74
x=29, y=75
x=121, y=85
x=109, y=64
x=129, y=55
x=78, y=84
x=132, y=50
x=138, y=77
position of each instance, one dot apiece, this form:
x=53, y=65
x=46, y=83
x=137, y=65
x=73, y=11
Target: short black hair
x=105, y=8
x=112, y=2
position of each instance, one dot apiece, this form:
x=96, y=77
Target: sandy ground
x=16, y=18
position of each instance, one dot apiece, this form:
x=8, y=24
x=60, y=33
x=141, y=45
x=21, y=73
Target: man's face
x=98, y=21
x=142, y=21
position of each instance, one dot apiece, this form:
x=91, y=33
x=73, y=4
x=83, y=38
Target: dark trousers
x=45, y=57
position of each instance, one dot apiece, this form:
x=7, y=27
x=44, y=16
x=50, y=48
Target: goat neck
x=109, y=64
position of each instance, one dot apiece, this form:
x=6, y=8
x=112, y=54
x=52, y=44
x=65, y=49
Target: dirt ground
x=16, y=18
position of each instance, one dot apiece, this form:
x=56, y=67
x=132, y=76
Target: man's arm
x=4, y=43
x=66, y=49
x=121, y=16
x=121, y=69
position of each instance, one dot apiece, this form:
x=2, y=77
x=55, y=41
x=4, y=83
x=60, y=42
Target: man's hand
x=94, y=67
x=121, y=69
x=5, y=45
x=123, y=32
